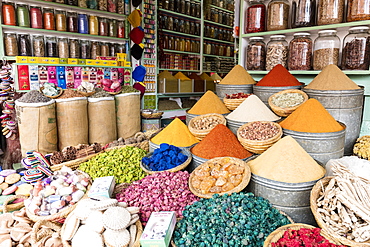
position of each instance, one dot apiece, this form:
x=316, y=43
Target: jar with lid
x=93, y=4
x=181, y=26
x=51, y=46
x=165, y=41
x=206, y=30
x=171, y=43
x=356, y=49
x=214, y=48
x=221, y=15
x=104, y=49
x=207, y=13
x=221, y=51
x=277, y=15
x=85, y=49
x=186, y=26
x=192, y=28
x=358, y=10
x=112, y=26
x=171, y=5
x=212, y=32
x=72, y=22
x=23, y=15
x=330, y=12
x=176, y=4
x=82, y=3
x=83, y=24
x=303, y=13
x=277, y=52
x=300, y=52
x=169, y=23
x=177, y=43
x=229, y=51
x=197, y=10
x=95, y=49
x=63, y=47
x=165, y=4
x=24, y=45
x=192, y=9
x=102, y=5
x=36, y=17
x=326, y=49
x=49, y=21
x=9, y=17
x=74, y=48
x=181, y=44
x=181, y=8
x=121, y=29
x=215, y=15
x=11, y=44
x=112, y=6
x=72, y=2
x=93, y=25
x=197, y=29
x=187, y=7
x=255, y=17
x=112, y=49
x=175, y=24
x=61, y=20
x=256, y=54
x=38, y=45
x=207, y=48
x=103, y=26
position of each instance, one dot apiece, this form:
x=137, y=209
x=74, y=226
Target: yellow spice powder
x=181, y=76
x=286, y=161
x=177, y=134
x=238, y=76
x=209, y=103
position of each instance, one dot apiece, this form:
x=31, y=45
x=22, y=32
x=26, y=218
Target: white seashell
x=95, y=221
x=134, y=218
x=85, y=237
x=132, y=230
x=116, y=238
x=83, y=209
x=104, y=204
x=77, y=195
x=116, y=218
x=133, y=210
x=122, y=204
x=71, y=225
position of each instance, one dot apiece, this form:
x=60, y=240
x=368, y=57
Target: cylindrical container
x=94, y=49
x=326, y=49
x=148, y=124
x=234, y=125
x=300, y=52
x=291, y=198
x=63, y=47
x=93, y=25
x=345, y=106
x=38, y=45
x=255, y=17
x=112, y=26
x=128, y=114
x=112, y=49
x=103, y=26
x=85, y=49
x=277, y=15
x=104, y=49
x=23, y=15
x=24, y=45
x=121, y=29
x=9, y=14
x=112, y=6
x=11, y=44
x=256, y=54
x=303, y=13
x=74, y=48
x=263, y=93
x=356, y=49
x=72, y=22
x=49, y=20
x=321, y=146
x=102, y=5
x=330, y=12
x=121, y=7
x=51, y=46
x=83, y=24
x=60, y=20
x=92, y=4
x=223, y=89
x=82, y=3
x=72, y=2
x=36, y=17
x=358, y=10
x=277, y=52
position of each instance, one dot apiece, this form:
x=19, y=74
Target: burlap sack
x=37, y=126
x=72, y=121
x=128, y=114
x=102, y=120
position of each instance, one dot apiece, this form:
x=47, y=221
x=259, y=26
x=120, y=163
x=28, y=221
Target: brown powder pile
x=209, y=103
x=166, y=75
x=69, y=93
x=206, y=77
x=332, y=78
x=286, y=161
x=238, y=76
x=181, y=76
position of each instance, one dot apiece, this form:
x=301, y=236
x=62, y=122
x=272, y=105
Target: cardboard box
x=52, y=75
x=23, y=77
x=102, y=186
x=34, y=77
x=61, y=77
x=43, y=75
x=158, y=230
x=70, y=77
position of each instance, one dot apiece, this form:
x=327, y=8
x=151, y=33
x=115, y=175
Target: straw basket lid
x=278, y=233
x=315, y=194
x=284, y=112
x=200, y=134
x=244, y=181
x=151, y=114
x=86, y=94
x=180, y=167
x=55, y=96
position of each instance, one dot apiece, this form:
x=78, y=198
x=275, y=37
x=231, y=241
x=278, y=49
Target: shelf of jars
x=223, y=9
x=178, y=33
x=179, y=14
x=75, y=65
x=183, y=70
x=220, y=41
x=217, y=24
x=209, y=55
x=181, y=52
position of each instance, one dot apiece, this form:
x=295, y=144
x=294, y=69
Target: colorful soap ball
x=164, y=158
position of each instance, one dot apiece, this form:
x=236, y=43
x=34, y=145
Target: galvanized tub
x=234, y=125
x=264, y=93
x=223, y=89
x=345, y=106
x=321, y=146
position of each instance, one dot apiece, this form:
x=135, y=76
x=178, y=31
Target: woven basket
x=315, y=194
x=6, y=207
x=42, y=230
x=86, y=94
x=240, y=187
x=62, y=214
x=278, y=233
x=152, y=115
x=175, y=169
x=52, y=97
x=256, y=146
x=232, y=104
x=284, y=112
x=118, y=188
x=115, y=93
x=200, y=134
x=73, y=164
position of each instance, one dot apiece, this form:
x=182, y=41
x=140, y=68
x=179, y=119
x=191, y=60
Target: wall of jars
x=178, y=24
x=179, y=62
x=186, y=7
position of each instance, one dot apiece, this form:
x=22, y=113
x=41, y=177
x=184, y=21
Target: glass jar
x=192, y=28
x=207, y=13
x=49, y=21
x=330, y=12
x=177, y=44
x=63, y=47
x=72, y=22
x=72, y=2
x=277, y=15
x=356, y=49
x=38, y=45
x=255, y=17
x=121, y=48
x=112, y=26
x=61, y=20
x=358, y=10
x=192, y=9
x=93, y=4
x=104, y=49
x=277, y=52
x=326, y=49
x=303, y=13
x=11, y=44
x=300, y=52
x=83, y=24
x=175, y=24
x=121, y=7
x=216, y=15
x=9, y=14
x=186, y=26
x=85, y=49
x=207, y=48
x=112, y=49
x=187, y=7
x=93, y=25
x=171, y=43
x=169, y=23
x=102, y=5
x=24, y=45
x=221, y=15
x=112, y=6
x=181, y=8
x=256, y=54
x=103, y=26
x=74, y=48
x=181, y=26
x=23, y=15
x=36, y=17
x=121, y=29
x=165, y=4
x=197, y=29
x=82, y=3
x=51, y=46
x=95, y=49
